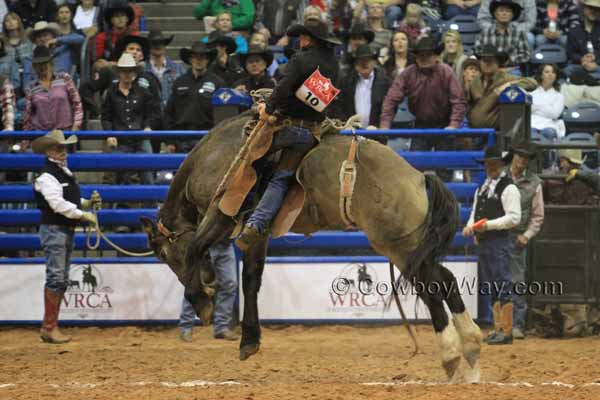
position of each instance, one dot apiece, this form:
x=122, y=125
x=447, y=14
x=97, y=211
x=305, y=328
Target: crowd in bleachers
x=58, y=61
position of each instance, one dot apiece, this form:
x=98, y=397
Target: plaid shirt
x=567, y=20
x=7, y=98
x=513, y=42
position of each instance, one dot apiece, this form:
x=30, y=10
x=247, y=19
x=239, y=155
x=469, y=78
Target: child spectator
x=242, y=11
x=413, y=24
x=86, y=18
x=453, y=53
x=223, y=27
x=552, y=29
x=398, y=55
x=454, y=8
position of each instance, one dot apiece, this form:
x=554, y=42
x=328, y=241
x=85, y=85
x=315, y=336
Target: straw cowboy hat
x=574, y=156
x=126, y=61
x=52, y=138
x=591, y=3
x=314, y=28
x=43, y=26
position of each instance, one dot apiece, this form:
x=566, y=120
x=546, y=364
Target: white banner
x=97, y=292
x=348, y=291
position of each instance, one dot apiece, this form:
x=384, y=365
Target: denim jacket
x=172, y=72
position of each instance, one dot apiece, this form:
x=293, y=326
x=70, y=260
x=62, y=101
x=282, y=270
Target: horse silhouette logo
x=89, y=280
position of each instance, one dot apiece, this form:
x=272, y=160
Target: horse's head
x=199, y=280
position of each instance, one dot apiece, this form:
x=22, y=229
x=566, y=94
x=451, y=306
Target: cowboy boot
x=50, y=332
x=506, y=319
x=497, y=321
x=248, y=237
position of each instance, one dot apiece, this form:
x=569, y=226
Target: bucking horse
x=408, y=217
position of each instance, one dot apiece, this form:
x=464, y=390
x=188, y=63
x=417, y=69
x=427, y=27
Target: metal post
x=515, y=117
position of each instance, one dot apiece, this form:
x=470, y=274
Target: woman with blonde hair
x=18, y=46
x=453, y=53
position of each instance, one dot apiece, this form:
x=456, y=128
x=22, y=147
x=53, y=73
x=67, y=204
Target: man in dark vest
x=496, y=210
x=292, y=99
x=58, y=197
x=532, y=218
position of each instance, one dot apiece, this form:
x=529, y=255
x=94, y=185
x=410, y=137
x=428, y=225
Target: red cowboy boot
x=50, y=332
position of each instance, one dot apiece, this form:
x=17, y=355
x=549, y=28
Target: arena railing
x=156, y=193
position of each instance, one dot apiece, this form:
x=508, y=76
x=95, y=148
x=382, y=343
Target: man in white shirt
x=496, y=210
x=58, y=197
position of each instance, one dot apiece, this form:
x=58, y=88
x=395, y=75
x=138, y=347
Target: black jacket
x=136, y=111
x=190, y=105
x=345, y=101
x=44, y=10
x=230, y=73
x=297, y=70
x=577, y=42
x=262, y=82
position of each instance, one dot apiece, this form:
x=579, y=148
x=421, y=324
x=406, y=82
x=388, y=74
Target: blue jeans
x=299, y=140
x=393, y=16
x=518, y=268
x=144, y=146
x=223, y=258
x=494, y=255
x=57, y=243
x=454, y=11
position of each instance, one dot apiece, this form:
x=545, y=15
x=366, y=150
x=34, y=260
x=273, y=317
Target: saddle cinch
x=241, y=176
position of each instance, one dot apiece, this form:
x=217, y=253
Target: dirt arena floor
x=296, y=362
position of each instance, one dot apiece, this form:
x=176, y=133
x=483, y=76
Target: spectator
x=399, y=57
x=532, y=218
x=225, y=66
x=499, y=202
x=308, y=13
x=583, y=42
x=242, y=11
x=453, y=53
x=190, y=106
x=32, y=11
x=504, y=35
x=163, y=67
x=552, y=29
x=129, y=107
x=19, y=47
x=223, y=258
x=57, y=195
x=375, y=22
x=86, y=18
x=454, y=8
x=8, y=67
x=393, y=13
x=255, y=63
x=258, y=39
x=69, y=36
x=484, y=111
x=139, y=48
x=524, y=21
x=413, y=23
x=119, y=19
x=471, y=71
x=547, y=104
x=8, y=103
x=363, y=90
x=223, y=28
x=358, y=35
x=274, y=16
x=580, y=186
x=52, y=102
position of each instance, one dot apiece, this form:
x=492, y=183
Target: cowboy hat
x=426, y=44
x=491, y=153
x=489, y=50
x=574, y=156
x=41, y=54
x=126, y=61
x=43, y=26
x=266, y=55
x=514, y=6
x=218, y=39
x=122, y=44
x=360, y=29
x=52, y=138
x=363, y=51
x=591, y=3
x=471, y=62
x=119, y=6
x=157, y=37
x=522, y=149
x=315, y=28
x=197, y=48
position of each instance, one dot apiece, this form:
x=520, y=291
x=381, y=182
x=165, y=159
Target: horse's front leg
x=254, y=263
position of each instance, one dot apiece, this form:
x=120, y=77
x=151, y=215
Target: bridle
x=171, y=236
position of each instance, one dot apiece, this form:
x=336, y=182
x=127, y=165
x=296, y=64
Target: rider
x=289, y=100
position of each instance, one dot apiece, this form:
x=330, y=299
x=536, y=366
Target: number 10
x=312, y=99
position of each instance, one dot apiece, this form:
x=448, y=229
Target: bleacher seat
x=468, y=28
x=590, y=156
x=582, y=117
x=549, y=54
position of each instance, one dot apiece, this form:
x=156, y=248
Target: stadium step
x=169, y=9
x=175, y=23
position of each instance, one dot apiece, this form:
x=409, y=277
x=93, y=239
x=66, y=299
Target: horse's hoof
x=248, y=350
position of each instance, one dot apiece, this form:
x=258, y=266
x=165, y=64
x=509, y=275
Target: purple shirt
x=434, y=97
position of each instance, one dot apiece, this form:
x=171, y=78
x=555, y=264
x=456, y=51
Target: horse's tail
x=442, y=223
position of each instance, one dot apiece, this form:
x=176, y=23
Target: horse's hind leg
x=469, y=332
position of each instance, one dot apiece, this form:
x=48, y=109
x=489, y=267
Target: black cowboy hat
x=424, y=44
x=266, y=55
x=41, y=54
x=522, y=149
x=122, y=44
x=363, y=51
x=197, y=48
x=121, y=5
x=157, y=37
x=491, y=153
x=471, y=62
x=489, y=50
x=515, y=7
x=360, y=29
x=315, y=28
x=217, y=38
